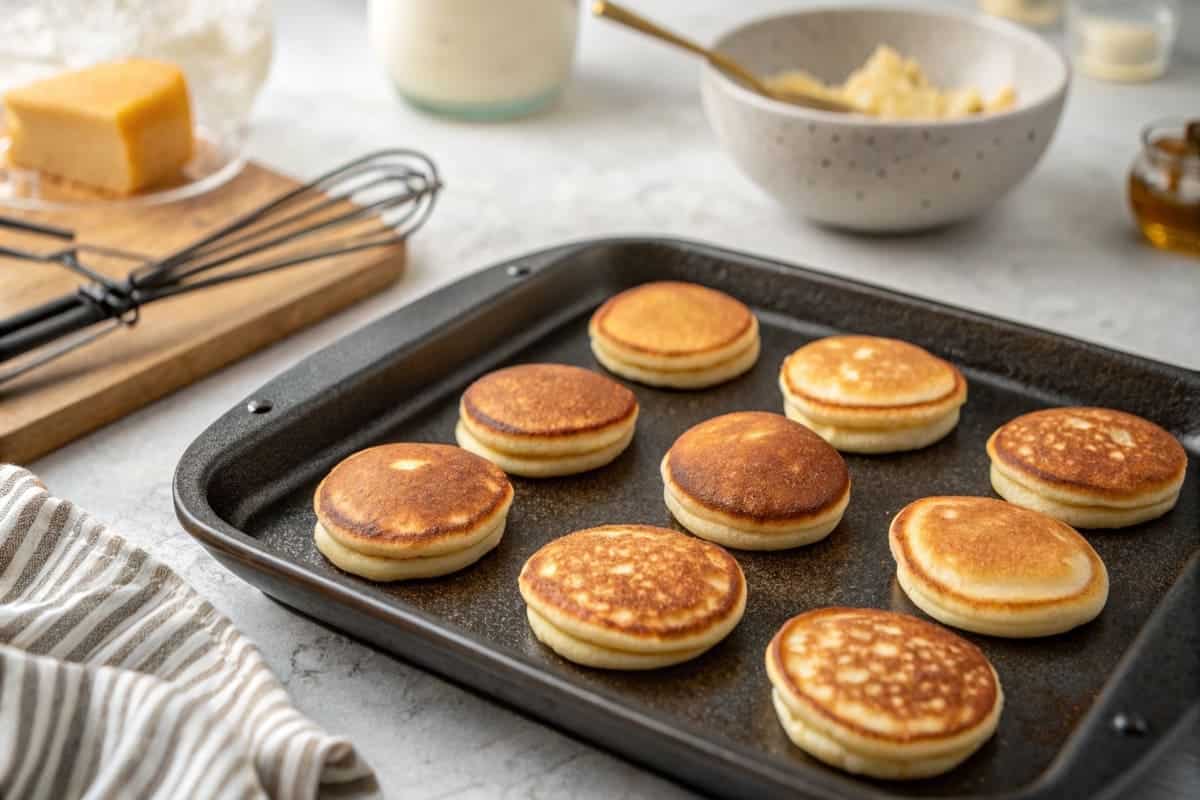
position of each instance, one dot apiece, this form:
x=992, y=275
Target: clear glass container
x=1164, y=185
x=224, y=48
x=1035, y=13
x=476, y=59
x=1122, y=40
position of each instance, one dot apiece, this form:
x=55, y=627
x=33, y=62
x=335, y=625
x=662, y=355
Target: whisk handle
x=69, y=320
x=38, y=313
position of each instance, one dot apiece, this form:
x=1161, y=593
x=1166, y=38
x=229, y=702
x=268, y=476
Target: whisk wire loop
x=376, y=200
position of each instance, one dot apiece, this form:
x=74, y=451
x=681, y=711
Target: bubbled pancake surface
x=883, y=676
x=868, y=371
x=993, y=554
x=671, y=318
x=635, y=586
x=757, y=466
x=426, y=497
x=547, y=400
x=1097, y=453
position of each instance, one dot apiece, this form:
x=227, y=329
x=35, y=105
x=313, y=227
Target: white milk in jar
x=478, y=59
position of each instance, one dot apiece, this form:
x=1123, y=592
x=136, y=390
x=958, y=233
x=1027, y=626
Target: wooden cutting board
x=177, y=340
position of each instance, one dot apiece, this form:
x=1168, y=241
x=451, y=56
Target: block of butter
x=121, y=126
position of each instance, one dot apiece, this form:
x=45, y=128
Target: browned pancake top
x=759, y=466
x=637, y=580
x=670, y=318
x=883, y=675
x=407, y=493
x=870, y=371
x=547, y=400
x=993, y=546
x=1098, y=450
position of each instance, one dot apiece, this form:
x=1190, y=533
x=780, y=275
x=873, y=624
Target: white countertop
x=626, y=151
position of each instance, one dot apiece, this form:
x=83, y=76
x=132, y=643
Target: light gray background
x=627, y=151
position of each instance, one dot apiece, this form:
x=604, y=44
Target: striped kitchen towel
x=117, y=680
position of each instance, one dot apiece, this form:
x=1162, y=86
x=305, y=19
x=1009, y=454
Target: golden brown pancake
x=758, y=466
x=544, y=402
x=632, y=596
x=1091, y=455
x=755, y=480
x=870, y=371
x=991, y=567
x=881, y=694
x=675, y=334
x=869, y=394
x=412, y=500
x=671, y=318
x=541, y=420
x=1089, y=467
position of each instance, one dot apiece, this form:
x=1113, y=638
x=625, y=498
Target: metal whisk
x=392, y=192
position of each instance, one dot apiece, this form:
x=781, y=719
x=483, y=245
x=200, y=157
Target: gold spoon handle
x=622, y=15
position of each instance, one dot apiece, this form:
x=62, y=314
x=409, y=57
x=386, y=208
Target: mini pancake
x=881, y=694
x=1089, y=467
x=868, y=394
x=631, y=596
x=540, y=420
x=991, y=567
x=410, y=510
x=755, y=481
x=674, y=334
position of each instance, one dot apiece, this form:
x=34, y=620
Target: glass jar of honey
x=1164, y=185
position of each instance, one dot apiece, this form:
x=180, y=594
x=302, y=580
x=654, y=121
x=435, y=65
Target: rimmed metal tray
x=244, y=490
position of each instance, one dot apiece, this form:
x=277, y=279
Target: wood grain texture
x=177, y=341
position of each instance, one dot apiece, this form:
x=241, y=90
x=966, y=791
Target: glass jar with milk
x=476, y=59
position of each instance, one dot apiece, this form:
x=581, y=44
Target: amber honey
x=1164, y=187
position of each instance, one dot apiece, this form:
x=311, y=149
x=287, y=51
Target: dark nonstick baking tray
x=1082, y=708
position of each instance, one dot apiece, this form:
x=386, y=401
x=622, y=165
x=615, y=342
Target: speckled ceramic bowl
x=868, y=174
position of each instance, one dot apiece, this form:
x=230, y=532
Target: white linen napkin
x=118, y=680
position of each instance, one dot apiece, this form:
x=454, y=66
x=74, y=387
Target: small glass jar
x=476, y=59
x=1122, y=40
x=1035, y=13
x=1164, y=185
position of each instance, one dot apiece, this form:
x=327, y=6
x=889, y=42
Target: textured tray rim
x=241, y=552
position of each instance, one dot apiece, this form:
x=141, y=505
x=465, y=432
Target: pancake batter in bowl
x=894, y=87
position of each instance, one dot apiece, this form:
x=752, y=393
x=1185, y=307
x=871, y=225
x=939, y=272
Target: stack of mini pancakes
x=679, y=335
x=867, y=394
x=631, y=596
x=541, y=420
x=402, y=511
x=869, y=691
x=1090, y=467
x=882, y=694
x=755, y=481
x=991, y=567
